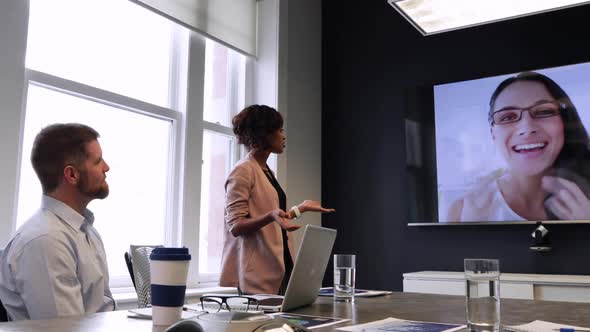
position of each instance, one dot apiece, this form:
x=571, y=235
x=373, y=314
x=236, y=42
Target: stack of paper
x=542, y=326
x=399, y=325
x=309, y=322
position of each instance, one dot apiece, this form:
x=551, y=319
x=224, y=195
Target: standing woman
x=258, y=252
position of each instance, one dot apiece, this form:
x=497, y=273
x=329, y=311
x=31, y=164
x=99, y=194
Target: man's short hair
x=55, y=147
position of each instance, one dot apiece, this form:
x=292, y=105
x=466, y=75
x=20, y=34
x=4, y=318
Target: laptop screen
x=310, y=266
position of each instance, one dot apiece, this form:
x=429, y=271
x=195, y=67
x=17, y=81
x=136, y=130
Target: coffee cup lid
x=170, y=254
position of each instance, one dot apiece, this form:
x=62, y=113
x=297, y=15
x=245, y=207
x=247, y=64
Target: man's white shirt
x=55, y=265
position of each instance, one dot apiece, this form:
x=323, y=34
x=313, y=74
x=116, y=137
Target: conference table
x=410, y=306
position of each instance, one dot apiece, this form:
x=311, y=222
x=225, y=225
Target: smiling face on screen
x=530, y=145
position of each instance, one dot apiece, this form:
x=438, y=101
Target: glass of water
x=482, y=286
x=344, y=276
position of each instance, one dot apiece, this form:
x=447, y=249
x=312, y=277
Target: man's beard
x=99, y=193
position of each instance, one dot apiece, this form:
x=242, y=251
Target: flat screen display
x=509, y=148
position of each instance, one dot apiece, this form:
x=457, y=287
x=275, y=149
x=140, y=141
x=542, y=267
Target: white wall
x=287, y=75
x=300, y=83
x=13, y=31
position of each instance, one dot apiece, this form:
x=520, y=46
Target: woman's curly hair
x=254, y=125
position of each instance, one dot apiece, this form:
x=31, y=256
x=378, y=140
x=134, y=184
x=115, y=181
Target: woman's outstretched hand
x=568, y=201
x=309, y=205
x=283, y=219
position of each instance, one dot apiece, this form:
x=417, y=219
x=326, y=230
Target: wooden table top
x=446, y=309
x=410, y=306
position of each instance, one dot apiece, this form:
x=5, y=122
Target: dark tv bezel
x=491, y=223
x=500, y=223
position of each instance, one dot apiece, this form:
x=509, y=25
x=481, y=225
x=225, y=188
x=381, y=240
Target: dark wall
x=371, y=57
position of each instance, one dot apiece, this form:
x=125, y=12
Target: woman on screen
x=537, y=130
x=257, y=252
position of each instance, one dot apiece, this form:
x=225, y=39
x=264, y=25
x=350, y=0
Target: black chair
x=130, y=268
x=3, y=313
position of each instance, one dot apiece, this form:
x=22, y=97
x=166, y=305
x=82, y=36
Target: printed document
x=400, y=325
x=542, y=326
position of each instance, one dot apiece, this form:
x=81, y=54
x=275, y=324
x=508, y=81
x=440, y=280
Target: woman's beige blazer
x=253, y=261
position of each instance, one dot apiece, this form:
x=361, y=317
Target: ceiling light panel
x=435, y=16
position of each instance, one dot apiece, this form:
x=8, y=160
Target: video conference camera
x=540, y=238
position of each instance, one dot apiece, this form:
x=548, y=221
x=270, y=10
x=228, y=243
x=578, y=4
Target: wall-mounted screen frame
x=508, y=149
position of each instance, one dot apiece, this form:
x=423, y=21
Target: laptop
x=307, y=275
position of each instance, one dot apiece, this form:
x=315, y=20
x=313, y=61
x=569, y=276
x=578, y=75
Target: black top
x=283, y=206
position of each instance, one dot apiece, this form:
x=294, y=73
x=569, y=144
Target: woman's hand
x=567, y=202
x=282, y=218
x=309, y=205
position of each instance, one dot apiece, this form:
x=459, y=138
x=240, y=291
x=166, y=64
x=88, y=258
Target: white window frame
x=123, y=103
x=238, y=83
x=211, y=279
x=193, y=151
x=185, y=113
x=13, y=34
x=186, y=116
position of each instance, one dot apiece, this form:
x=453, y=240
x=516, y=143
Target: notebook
x=307, y=275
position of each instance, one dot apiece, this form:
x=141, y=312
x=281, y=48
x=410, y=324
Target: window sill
x=128, y=300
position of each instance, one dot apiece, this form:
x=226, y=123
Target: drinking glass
x=482, y=296
x=344, y=277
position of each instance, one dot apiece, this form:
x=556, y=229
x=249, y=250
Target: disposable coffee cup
x=168, y=273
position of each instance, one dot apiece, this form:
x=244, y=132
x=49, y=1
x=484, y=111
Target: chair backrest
x=129, y=264
x=3, y=313
x=140, y=258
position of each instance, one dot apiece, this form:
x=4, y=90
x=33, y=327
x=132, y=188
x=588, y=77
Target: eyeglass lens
x=214, y=303
x=514, y=114
x=211, y=304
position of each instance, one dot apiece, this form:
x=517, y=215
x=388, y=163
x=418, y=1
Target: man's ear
x=71, y=175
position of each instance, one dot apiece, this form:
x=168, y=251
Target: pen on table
x=192, y=310
x=139, y=316
x=570, y=329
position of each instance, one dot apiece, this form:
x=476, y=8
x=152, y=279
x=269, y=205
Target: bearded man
x=55, y=264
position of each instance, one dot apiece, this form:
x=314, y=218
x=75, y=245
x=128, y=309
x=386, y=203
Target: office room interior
x=342, y=74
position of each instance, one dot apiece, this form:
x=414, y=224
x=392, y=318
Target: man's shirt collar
x=66, y=213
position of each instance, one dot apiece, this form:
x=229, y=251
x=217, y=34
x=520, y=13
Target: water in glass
x=483, y=301
x=344, y=283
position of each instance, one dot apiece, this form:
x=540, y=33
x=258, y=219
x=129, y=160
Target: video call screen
x=468, y=159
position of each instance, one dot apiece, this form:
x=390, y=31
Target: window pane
x=224, y=83
x=216, y=166
x=135, y=211
x=113, y=45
